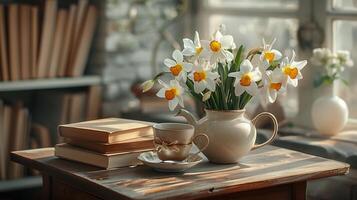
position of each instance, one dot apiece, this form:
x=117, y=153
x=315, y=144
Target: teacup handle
x=204, y=146
x=275, y=129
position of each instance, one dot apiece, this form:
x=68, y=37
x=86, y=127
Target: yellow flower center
x=292, y=72
x=198, y=50
x=215, y=46
x=246, y=79
x=170, y=94
x=199, y=76
x=269, y=56
x=275, y=86
x=176, y=69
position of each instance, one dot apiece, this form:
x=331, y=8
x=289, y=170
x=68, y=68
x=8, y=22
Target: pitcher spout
x=191, y=119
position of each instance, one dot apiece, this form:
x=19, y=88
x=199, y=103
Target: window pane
x=345, y=4
x=345, y=38
x=291, y=4
x=249, y=31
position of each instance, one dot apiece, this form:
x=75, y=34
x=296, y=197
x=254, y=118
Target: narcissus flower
x=192, y=48
x=246, y=79
x=291, y=69
x=178, y=67
x=216, y=50
x=269, y=55
x=203, y=77
x=274, y=84
x=172, y=93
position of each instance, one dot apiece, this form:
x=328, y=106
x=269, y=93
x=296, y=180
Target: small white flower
x=269, y=54
x=292, y=69
x=246, y=79
x=172, y=93
x=274, y=83
x=345, y=58
x=321, y=57
x=203, y=77
x=147, y=85
x=178, y=67
x=216, y=50
x=192, y=48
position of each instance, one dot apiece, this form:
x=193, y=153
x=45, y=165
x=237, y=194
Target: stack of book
x=45, y=40
x=106, y=143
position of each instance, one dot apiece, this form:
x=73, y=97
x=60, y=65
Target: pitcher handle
x=275, y=129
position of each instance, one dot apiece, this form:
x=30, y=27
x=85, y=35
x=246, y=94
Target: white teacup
x=174, y=141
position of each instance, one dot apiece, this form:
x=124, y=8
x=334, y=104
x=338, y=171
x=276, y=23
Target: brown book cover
x=5, y=73
x=58, y=42
x=81, y=56
x=109, y=130
x=25, y=61
x=18, y=141
x=140, y=143
x=34, y=40
x=48, y=30
x=77, y=107
x=14, y=45
x=106, y=161
x=94, y=102
x=78, y=26
x=5, y=128
x=68, y=38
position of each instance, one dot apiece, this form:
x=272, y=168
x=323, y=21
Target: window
x=342, y=22
x=251, y=20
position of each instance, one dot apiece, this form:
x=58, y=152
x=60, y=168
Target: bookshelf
x=19, y=184
x=53, y=83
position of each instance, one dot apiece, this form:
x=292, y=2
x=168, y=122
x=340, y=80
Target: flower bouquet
x=332, y=63
x=222, y=76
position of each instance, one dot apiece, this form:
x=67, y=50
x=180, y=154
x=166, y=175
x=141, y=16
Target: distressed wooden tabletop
x=265, y=167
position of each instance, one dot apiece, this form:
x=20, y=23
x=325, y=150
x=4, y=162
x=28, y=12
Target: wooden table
x=266, y=173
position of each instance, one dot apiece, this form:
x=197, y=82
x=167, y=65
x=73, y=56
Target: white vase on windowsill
x=329, y=112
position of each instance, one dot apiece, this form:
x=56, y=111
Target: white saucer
x=152, y=160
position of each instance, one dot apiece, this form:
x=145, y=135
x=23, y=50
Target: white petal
x=238, y=90
x=300, y=64
x=183, y=76
x=197, y=39
x=212, y=75
x=187, y=66
x=235, y=74
x=229, y=56
x=227, y=41
x=206, y=96
x=163, y=83
x=211, y=85
x=180, y=101
x=277, y=54
x=177, y=55
x=189, y=52
x=252, y=89
x=214, y=58
x=293, y=82
x=272, y=94
x=246, y=66
x=299, y=76
x=161, y=93
x=257, y=75
x=168, y=62
x=187, y=43
x=173, y=103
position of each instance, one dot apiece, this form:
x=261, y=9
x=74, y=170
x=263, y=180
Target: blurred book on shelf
x=45, y=40
x=105, y=143
x=23, y=127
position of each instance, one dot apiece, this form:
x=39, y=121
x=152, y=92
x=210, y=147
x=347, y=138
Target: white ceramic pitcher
x=230, y=133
